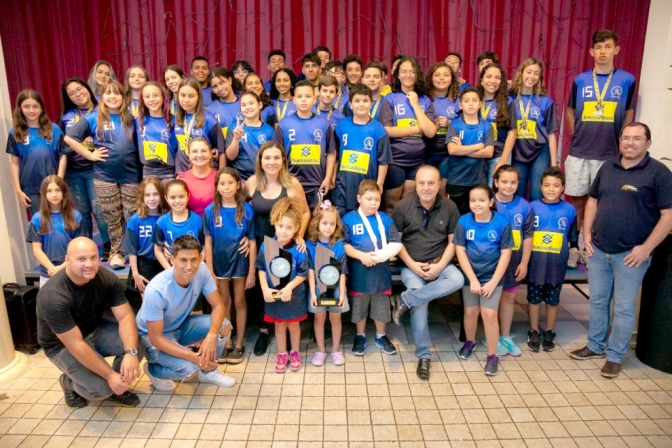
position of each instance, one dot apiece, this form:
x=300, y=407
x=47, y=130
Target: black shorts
x=460, y=196
x=397, y=175
x=547, y=293
x=148, y=268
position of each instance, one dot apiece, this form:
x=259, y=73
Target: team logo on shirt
x=368, y=143
x=317, y=133
x=562, y=223
x=26, y=141
x=535, y=112
x=616, y=92
x=261, y=139
x=493, y=114
x=165, y=134
x=492, y=235
x=518, y=220
x=197, y=132
x=450, y=112
x=627, y=187
x=480, y=136
x=547, y=239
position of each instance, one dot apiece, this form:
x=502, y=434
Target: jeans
x=418, y=295
x=491, y=168
x=609, y=277
x=105, y=341
x=85, y=200
x=532, y=171
x=193, y=329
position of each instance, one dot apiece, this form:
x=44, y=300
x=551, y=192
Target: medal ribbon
x=524, y=112
x=188, y=128
x=279, y=114
x=375, y=107
x=598, y=94
x=484, y=111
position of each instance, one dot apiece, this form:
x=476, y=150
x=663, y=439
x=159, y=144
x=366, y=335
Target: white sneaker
x=216, y=377
x=158, y=383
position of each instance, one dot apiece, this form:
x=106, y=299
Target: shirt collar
x=642, y=163
x=416, y=199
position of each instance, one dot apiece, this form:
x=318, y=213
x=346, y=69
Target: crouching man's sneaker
x=159, y=383
x=216, y=377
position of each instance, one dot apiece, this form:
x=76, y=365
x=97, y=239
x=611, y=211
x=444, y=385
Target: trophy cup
x=328, y=271
x=278, y=264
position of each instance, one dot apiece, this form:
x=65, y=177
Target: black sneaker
x=359, y=346
x=106, y=252
x=533, y=340
x=548, y=343
x=127, y=399
x=386, y=345
x=236, y=355
x=261, y=345
x=72, y=399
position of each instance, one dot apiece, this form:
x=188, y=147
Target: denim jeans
x=532, y=171
x=418, y=295
x=85, y=200
x=105, y=341
x=193, y=329
x=609, y=277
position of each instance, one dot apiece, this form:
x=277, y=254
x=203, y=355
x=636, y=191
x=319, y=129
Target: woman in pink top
x=201, y=177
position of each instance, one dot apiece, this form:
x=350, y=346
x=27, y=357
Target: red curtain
x=45, y=45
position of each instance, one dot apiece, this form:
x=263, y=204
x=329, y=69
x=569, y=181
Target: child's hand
x=54, y=269
x=300, y=244
x=413, y=98
x=286, y=294
x=141, y=282
x=368, y=259
x=99, y=155
x=442, y=122
x=521, y=272
x=249, y=281
x=313, y=300
x=456, y=140
x=238, y=132
x=24, y=198
x=475, y=287
x=268, y=294
x=244, y=247
x=341, y=302
x=488, y=288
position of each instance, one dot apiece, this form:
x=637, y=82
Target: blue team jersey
x=166, y=230
x=468, y=171
x=210, y=130
x=465, y=86
x=521, y=219
x=122, y=165
x=396, y=110
x=554, y=228
x=38, y=157
x=248, y=147
x=226, y=115
x=596, y=130
x=342, y=99
x=532, y=134
x=443, y=107
x=55, y=241
x=283, y=109
x=337, y=248
x=267, y=86
x=207, y=96
x=362, y=148
x=490, y=107
x=333, y=116
x=138, y=238
x=267, y=115
x=307, y=142
x=75, y=161
x=377, y=278
x=296, y=308
x=484, y=242
x=226, y=234
x=157, y=146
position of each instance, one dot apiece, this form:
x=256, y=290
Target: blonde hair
x=124, y=114
x=287, y=207
x=517, y=84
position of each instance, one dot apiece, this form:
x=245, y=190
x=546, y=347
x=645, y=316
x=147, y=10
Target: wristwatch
x=131, y=351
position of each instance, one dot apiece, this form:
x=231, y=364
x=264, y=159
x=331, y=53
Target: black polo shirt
x=425, y=243
x=629, y=202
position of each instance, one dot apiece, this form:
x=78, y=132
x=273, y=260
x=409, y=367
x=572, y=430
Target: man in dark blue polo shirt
x=427, y=222
x=628, y=213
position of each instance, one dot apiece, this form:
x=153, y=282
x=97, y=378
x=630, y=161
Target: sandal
x=236, y=355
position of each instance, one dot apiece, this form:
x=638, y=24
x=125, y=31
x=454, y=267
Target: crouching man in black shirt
x=76, y=338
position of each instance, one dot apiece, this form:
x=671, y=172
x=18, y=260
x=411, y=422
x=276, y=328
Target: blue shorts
x=440, y=161
x=547, y=293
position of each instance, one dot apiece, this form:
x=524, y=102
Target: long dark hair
x=67, y=104
x=264, y=97
x=20, y=122
x=501, y=96
x=292, y=79
x=66, y=208
x=239, y=196
x=173, y=68
x=180, y=114
x=453, y=87
x=419, y=87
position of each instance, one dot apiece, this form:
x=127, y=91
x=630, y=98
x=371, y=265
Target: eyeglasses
x=425, y=213
x=337, y=73
x=406, y=72
x=240, y=72
x=636, y=139
x=78, y=91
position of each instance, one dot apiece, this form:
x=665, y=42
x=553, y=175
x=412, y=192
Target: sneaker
x=319, y=358
x=225, y=355
x=126, y=400
x=467, y=348
x=216, y=377
x=105, y=256
x=159, y=383
x=337, y=358
x=359, y=346
x=511, y=347
x=72, y=399
x=261, y=345
x=117, y=262
x=295, y=361
x=573, y=257
x=584, y=258
x=236, y=355
x=281, y=364
x=501, y=348
x=533, y=341
x=548, y=343
x=585, y=353
x=491, y=365
x=387, y=346
x=610, y=369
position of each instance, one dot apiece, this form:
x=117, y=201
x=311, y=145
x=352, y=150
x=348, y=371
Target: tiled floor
x=537, y=400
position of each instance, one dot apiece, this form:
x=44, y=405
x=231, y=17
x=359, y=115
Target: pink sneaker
x=281, y=365
x=294, y=361
x=338, y=358
x=319, y=358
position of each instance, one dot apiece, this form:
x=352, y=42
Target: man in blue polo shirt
x=628, y=213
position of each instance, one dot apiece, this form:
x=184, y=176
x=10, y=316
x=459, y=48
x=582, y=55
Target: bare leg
x=318, y=328
x=533, y=311
x=295, y=335
x=471, y=322
x=491, y=329
x=380, y=327
x=579, y=203
x=506, y=307
x=442, y=190
x=551, y=316
x=409, y=188
x=241, y=310
x=226, y=298
x=391, y=198
x=361, y=326
x=281, y=336
x=336, y=330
